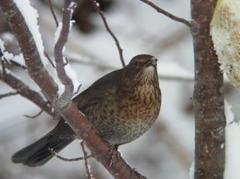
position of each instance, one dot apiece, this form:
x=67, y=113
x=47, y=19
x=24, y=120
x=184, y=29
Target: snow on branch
x=11, y=58
x=25, y=91
x=82, y=127
x=232, y=165
x=31, y=15
x=65, y=98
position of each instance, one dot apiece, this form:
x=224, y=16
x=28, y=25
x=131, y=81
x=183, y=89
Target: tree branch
x=28, y=47
x=53, y=13
x=66, y=97
x=208, y=97
x=22, y=88
x=166, y=13
x=80, y=125
x=35, y=115
x=49, y=59
x=8, y=94
x=25, y=91
x=67, y=159
x=98, y=10
x=89, y=174
x=17, y=64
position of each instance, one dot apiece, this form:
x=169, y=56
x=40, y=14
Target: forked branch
x=78, y=122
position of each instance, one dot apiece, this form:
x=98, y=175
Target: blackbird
x=121, y=105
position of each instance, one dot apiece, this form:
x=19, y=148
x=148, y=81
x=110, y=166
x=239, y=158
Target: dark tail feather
x=39, y=152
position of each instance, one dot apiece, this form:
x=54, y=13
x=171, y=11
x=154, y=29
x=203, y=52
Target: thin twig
x=34, y=116
x=1, y=53
x=67, y=159
x=3, y=67
x=89, y=174
x=8, y=94
x=53, y=13
x=168, y=14
x=16, y=64
x=49, y=59
x=78, y=89
x=10, y=62
x=120, y=50
x=25, y=91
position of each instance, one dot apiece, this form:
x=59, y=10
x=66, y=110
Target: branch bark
x=8, y=94
x=98, y=10
x=25, y=91
x=166, y=13
x=53, y=13
x=101, y=150
x=208, y=97
x=67, y=95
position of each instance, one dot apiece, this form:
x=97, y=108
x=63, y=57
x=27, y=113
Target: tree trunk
x=208, y=97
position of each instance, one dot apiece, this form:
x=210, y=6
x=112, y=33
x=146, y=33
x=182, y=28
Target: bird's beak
x=154, y=61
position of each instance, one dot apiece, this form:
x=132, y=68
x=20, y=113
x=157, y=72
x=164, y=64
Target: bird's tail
x=39, y=152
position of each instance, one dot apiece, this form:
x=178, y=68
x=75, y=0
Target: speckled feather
x=121, y=105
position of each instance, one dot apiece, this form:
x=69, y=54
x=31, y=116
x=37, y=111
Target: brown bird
x=121, y=105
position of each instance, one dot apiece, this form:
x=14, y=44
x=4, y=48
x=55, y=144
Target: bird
x=122, y=105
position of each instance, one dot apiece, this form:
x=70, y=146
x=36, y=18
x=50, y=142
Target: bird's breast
x=141, y=102
x=137, y=112
x=127, y=115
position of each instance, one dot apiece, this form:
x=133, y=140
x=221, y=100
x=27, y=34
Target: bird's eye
x=145, y=62
x=142, y=61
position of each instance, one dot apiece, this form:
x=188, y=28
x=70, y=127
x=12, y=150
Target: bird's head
x=143, y=67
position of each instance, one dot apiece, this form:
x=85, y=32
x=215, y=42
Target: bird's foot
x=114, y=155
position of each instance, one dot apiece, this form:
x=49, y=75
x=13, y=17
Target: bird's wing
x=99, y=91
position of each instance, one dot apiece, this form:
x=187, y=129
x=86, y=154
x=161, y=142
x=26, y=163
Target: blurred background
x=165, y=151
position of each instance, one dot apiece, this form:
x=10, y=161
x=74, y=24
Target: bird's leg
x=113, y=154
